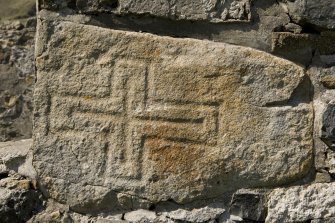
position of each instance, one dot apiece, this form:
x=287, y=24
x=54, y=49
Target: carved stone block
x=161, y=119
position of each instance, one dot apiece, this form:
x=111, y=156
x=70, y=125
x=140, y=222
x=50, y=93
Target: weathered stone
x=55, y=212
x=228, y=218
x=140, y=216
x=301, y=203
x=249, y=204
x=292, y=27
x=300, y=48
x=15, y=156
x=16, y=80
x=268, y=15
x=295, y=47
x=18, y=200
x=328, y=126
x=212, y=10
x=328, y=81
x=323, y=99
x=318, y=14
x=330, y=163
x=323, y=177
x=327, y=220
x=204, y=214
x=113, y=115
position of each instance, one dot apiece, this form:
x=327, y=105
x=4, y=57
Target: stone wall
x=182, y=111
x=17, y=69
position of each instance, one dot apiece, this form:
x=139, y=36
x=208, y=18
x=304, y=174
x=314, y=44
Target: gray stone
x=249, y=204
x=318, y=14
x=323, y=97
x=195, y=215
x=330, y=163
x=212, y=10
x=16, y=80
x=56, y=212
x=16, y=156
x=327, y=220
x=292, y=27
x=301, y=203
x=266, y=15
x=328, y=126
x=140, y=216
x=19, y=201
x=300, y=48
x=113, y=114
x=228, y=218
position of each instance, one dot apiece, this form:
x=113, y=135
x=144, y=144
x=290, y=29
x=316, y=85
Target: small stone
x=18, y=202
x=204, y=214
x=292, y=27
x=140, y=216
x=125, y=200
x=249, y=204
x=328, y=126
x=322, y=177
x=328, y=81
x=330, y=162
x=228, y=218
x=325, y=220
x=319, y=14
x=301, y=203
x=15, y=156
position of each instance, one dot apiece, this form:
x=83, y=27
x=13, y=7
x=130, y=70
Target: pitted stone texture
x=162, y=118
x=320, y=14
x=211, y=10
x=302, y=203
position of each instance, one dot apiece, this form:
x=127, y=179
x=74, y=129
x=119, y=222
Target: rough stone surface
x=328, y=81
x=301, y=48
x=140, y=216
x=318, y=14
x=16, y=156
x=140, y=128
x=16, y=79
x=328, y=127
x=196, y=215
x=212, y=10
x=302, y=203
x=19, y=199
x=249, y=204
x=323, y=102
x=115, y=119
x=266, y=16
x=327, y=220
x=330, y=160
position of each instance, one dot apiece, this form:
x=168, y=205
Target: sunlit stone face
x=162, y=118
